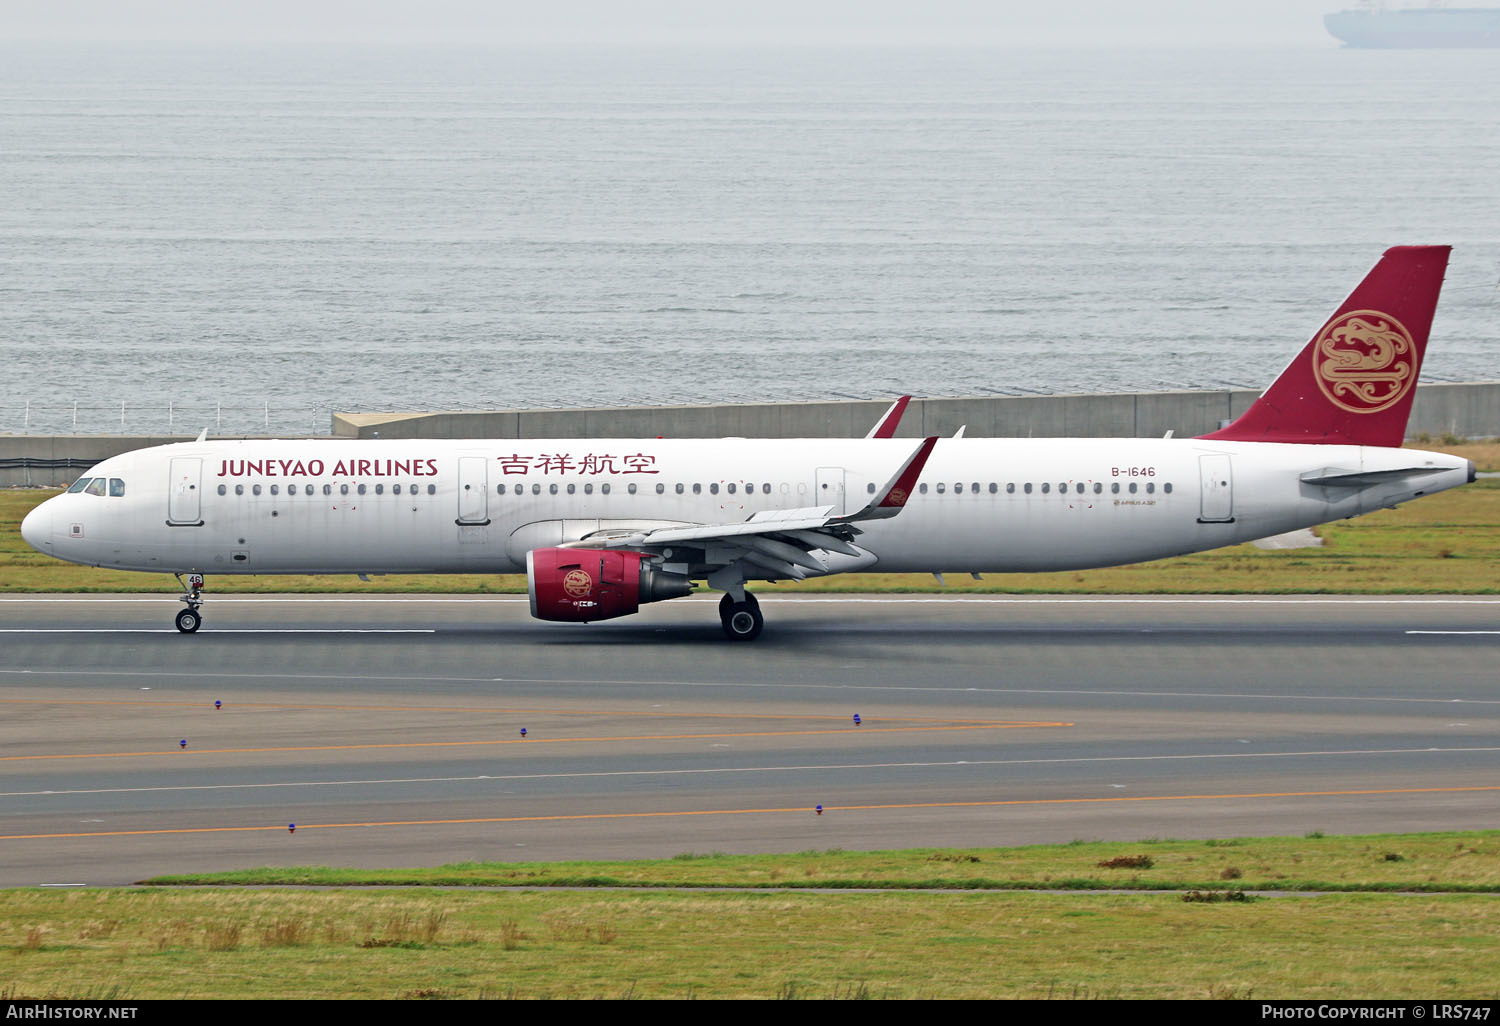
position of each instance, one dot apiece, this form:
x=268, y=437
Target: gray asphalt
x=388, y=729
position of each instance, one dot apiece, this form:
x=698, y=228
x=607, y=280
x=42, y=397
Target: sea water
x=248, y=238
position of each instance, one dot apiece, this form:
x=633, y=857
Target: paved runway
x=388, y=729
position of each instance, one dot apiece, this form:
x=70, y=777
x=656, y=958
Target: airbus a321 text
x=601, y=527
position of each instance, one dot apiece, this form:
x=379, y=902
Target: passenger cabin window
x=660, y=488
x=632, y=489
x=1046, y=487
x=239, y=489
x=677, y=488
x=713, y=489
x=588, y=488
x=1167, y=487
x=276, y=489
x=255, y=489
x=604, y=488
x=223, y=490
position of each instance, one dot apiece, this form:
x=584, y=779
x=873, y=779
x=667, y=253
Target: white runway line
x=1344, y=600
x=810, y=686
x=244, y=630
x=1453, y=632
x=719, y=770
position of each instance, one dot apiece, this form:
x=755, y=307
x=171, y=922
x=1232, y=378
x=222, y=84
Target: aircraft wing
x=778, y=542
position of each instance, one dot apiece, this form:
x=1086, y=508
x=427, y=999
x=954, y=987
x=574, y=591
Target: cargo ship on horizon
x=1415, y=28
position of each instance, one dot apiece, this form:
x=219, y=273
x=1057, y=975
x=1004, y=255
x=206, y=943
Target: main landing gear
x=189, y=619
x=742, y=620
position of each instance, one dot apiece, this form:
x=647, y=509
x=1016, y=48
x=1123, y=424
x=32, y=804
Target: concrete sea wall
x=1469, y=410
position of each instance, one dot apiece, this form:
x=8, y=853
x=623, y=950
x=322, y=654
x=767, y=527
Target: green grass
x=471, y=943
x=1466, y=861
x=1443, y=544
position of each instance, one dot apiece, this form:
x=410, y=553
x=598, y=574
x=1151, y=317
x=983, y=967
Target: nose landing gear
x=189, y=619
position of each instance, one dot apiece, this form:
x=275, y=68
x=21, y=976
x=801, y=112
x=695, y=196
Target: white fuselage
x=439, y=506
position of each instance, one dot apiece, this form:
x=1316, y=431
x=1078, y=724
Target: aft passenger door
x=184, y=503
x=1216, y=483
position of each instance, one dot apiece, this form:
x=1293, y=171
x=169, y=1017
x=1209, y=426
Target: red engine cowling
x=580, y=585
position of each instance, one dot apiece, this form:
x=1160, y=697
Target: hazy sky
x=1090, y=23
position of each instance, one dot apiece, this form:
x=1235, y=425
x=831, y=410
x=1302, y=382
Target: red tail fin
x=1354, y=383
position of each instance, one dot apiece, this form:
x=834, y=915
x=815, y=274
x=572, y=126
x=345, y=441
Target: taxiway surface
x=388, y=729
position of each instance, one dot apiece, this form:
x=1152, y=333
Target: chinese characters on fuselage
x=587, y=464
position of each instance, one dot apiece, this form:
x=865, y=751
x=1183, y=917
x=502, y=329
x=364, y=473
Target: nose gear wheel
x=190, y=619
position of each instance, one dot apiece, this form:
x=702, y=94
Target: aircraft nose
x=36, y=527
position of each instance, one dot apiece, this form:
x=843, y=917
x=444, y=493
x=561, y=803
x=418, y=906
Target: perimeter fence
x=91, y=417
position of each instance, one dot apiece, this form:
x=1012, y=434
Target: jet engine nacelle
x=595, y=584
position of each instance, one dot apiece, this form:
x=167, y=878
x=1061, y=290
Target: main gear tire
x=742, y=621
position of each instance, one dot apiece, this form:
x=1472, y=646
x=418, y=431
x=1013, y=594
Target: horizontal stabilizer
x=1333, y=477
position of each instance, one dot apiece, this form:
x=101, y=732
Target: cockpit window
x=116, y=487
x=79, y=485
x=96, y=486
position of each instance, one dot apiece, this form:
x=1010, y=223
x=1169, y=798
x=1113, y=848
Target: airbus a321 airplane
x=601, y=527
